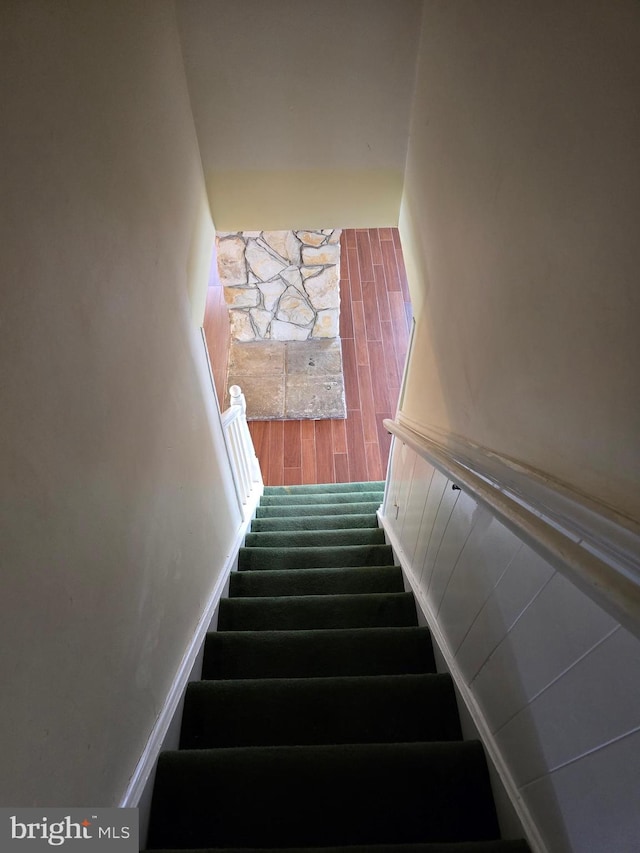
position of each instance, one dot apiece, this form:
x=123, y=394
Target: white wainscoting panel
x=591, y=805
x=552, y=680
x=557, y=629
x=446, y=505
x=486, y=555
x=456, y=532
x=522, y=581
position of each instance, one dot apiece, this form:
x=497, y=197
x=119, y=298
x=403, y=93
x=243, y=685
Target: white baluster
x=244, y=462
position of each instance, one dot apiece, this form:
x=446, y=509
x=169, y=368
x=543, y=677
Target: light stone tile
x=271, y=251
x=294, y=308
x=293, y=276
x=231, y=262
x=241, y=328
x=327, y=324
x=314, y=358
x=263, y=263
x=306, y=272
x=241, y=297
x=264, y=395
x=323, y=289
x=324, y=397
x=277, y=241
x=281, y=331
x=261, y=320
x=271, y=292
x=294, y=249
x=322, y=255
x=312, y=369
x=285, y=244
x=272, y=280
x=311, y=238
x=258, y=358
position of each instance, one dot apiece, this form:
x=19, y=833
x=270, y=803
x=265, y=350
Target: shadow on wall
x=521, y=195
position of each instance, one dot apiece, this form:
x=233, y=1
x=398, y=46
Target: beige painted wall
x=113, y=489
x=302, y=108
x=520, y=225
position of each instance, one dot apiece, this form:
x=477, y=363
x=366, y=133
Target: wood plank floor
x=375, y=317
x=217, y=332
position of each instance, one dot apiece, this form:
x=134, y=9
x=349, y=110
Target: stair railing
x=604, y=565
x=245, y=467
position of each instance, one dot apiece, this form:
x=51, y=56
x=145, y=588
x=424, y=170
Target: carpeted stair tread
x=326, y=557
x=317, y=612
x=294, y=711
x=322, y=795
x=320, y=488
x=316, y=581
x=314, y=522
x=315, y=538
x=320, y=724
x=330, y=498
x=358, y=508
x=496, y=846
x=302, y=654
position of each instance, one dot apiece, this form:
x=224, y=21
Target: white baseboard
x=494, y=754
x=138, y=791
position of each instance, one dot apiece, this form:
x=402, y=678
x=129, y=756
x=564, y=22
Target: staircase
x=320, y=720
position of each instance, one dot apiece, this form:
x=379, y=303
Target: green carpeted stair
x=320, y=724
x=316, y=581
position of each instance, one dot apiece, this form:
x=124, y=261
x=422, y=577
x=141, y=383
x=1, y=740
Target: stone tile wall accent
x=281, y=285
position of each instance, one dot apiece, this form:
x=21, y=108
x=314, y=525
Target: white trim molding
x=146, y=764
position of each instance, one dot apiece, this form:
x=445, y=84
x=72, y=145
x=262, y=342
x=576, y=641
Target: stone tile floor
x=284, y=380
